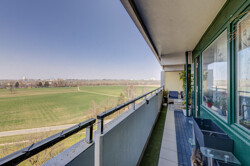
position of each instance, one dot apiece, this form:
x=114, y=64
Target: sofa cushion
x=182, y=94
x=173, y=94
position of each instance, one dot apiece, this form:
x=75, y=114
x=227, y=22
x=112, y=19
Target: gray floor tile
x=164, y=162
x=169, y=155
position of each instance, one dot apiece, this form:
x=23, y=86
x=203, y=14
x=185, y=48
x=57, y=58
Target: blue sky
x=72, y=39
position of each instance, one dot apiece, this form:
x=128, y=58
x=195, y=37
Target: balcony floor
x=175, y=149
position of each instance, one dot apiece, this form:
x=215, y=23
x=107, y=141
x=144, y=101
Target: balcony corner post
x=133, y=106
x=89, y=134
x=100, y=126
x=163, y=79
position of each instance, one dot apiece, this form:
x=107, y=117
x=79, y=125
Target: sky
x=72, y=39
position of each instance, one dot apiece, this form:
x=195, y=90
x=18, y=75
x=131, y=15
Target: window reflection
x=243, y=71
x=214, y=85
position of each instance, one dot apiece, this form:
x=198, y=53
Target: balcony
x=145, y=133
x=126, y=135
x=171, y=146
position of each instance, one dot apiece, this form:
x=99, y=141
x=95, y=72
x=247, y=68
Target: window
x=243, y=71
x=214, y=76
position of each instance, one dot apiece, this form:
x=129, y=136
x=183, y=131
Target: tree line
x=11, y=84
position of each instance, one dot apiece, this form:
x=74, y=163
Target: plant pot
x=184, y=112
x=215, y=108
x=165, y=99
x=209, y=105
x=209, y=134
x=224, y=112
x=221, y=163
x=220, y=112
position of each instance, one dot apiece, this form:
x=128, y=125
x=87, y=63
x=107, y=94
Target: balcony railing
x=145, y=115
x=101, y=116
x=122, y=141
x=25, y=153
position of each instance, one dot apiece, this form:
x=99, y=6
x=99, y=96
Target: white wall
x=173, y=82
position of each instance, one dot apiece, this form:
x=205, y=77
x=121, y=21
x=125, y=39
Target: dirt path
x=34, y=130
x=14, y=143
x=38, y=130
x=98, y=93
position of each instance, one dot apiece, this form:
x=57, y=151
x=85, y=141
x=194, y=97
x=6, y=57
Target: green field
x=15, y=143
x=40, y=107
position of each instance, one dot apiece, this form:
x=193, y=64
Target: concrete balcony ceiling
x=172, y=27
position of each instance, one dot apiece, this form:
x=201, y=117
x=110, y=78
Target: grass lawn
x=17, y=142
x=39, y=107
x=152, y=152
x=43, y=156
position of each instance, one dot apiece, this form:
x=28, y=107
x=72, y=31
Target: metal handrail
x=226, y=89
x=244, y=91
x=25, y=153
x=213, y=132
x=101, y=116
x=243, y=110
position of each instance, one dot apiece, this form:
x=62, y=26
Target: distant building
x=24, y=78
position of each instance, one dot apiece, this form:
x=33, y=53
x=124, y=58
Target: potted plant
x=205, y=94
x=165, y=96
x=184, y=110
x=216, y=106
x=209, y=102
x=183, y=78
x=209, y=98
x=223, y=105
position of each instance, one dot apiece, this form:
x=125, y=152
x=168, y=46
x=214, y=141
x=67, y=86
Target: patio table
x=220, y=155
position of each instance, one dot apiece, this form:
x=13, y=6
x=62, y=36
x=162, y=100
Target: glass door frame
x=197, y=90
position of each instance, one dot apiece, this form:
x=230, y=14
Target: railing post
x=145, y=98
x=100, y=126
x=89, y=134
x=27, y=152
x=133, y=105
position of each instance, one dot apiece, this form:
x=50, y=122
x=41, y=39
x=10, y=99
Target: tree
x=130, y=91
x=17, y=84
x=40, y=84
x=46, y=84
x=60, y=82
x=11, y=89
x=121, y=99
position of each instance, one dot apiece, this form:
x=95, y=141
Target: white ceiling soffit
x=176, y=59
x=173, y=68
x=172, y=26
